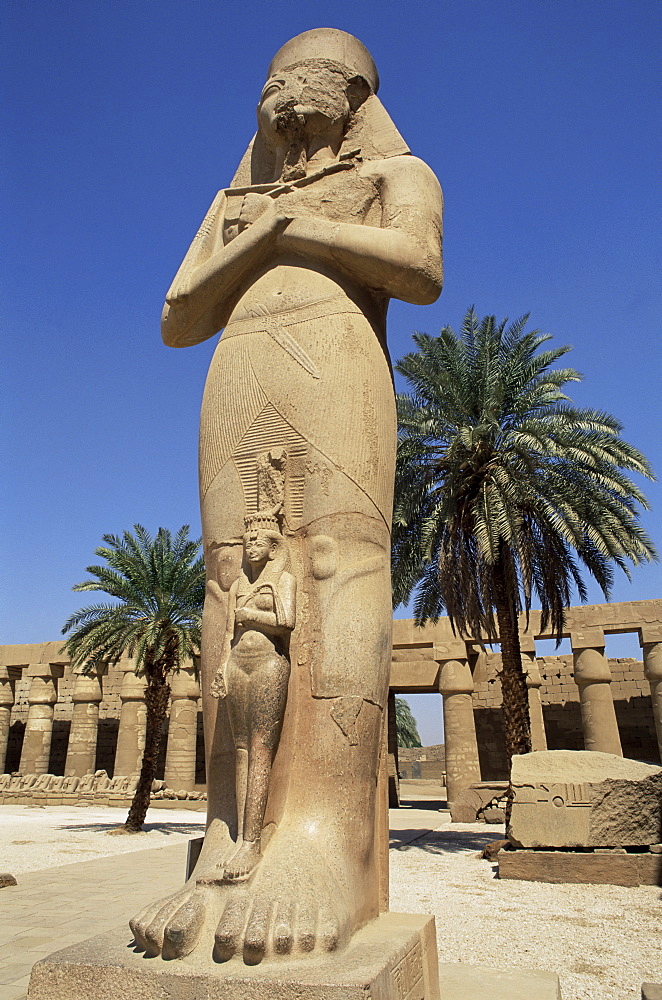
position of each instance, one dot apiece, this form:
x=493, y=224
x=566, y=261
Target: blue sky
x=124, y=118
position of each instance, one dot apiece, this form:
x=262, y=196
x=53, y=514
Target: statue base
x=392, y=958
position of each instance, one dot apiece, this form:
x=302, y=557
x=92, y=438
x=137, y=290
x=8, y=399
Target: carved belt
x=275, y=324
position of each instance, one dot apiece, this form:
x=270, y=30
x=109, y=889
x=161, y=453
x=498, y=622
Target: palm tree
x=504, y=490
x=405, y=724
x=158, y=589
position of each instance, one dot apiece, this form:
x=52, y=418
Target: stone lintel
x=588, y=638
x=455, y=649
x=393, y=958
x=414, y=675
x=527, y=642
x=48, y=670
x=649, y=634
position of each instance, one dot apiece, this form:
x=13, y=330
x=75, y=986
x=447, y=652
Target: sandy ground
x=36, y=837
x=603, y=941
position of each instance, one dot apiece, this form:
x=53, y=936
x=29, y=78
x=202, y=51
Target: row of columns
x=592, y=676
x=82, y=746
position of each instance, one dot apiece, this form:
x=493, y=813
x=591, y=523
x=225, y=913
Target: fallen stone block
x=580, y=798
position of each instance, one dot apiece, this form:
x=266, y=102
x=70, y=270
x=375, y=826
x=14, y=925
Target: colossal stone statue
x=328, y=216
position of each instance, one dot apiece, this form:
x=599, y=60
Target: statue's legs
x=317, y=880
x=256, y=696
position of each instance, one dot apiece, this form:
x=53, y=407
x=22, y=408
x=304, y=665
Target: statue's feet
x=171, y=927
x=240, y=866
x=291, y=905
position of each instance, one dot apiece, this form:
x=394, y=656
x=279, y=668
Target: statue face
x=310, y=99
x=258, y=548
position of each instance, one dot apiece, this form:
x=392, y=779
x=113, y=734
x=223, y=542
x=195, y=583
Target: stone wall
x=561, y=709
x=423, y=762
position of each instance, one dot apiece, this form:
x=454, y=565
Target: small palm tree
x=405, y=724
x=504, y=490
x=158, y=585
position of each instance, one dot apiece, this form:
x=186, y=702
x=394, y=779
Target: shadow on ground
x=435, y=805
x=167, y=828
x=444, y=841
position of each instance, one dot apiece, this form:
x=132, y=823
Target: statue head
x=321, y=89
x=263, y=541
x=315, y=82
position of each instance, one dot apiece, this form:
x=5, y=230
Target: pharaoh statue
x=328, y=217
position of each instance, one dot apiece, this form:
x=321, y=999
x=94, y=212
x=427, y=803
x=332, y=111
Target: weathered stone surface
x=475, y=982
x=578, y=798
x=327, y=217
x=576, y=866
x=393, y=958
x=475, y=802
x=651, y=991
x=7, y=879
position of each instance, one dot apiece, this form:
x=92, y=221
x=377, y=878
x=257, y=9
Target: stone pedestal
x=651, y=644
x=393, y=958
x=82, y=748
x=593, y=677
x=133, y=718
x=182, y=731
x=39, y=726
x=6, y=702
x=456, y=686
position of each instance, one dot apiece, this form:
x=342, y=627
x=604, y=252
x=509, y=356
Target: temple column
x=593, y=678
x=182, y=730
x=651, y=644
x=6, y=703
x=456, y=686
x=42, y=697
x=533, y=683
x=133, y=719
x=82, y=748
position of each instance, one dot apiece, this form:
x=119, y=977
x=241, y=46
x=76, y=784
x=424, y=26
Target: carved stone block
x=578, y=798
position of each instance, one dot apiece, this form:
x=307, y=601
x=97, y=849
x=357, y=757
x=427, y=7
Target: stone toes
x=328, y=931
x=156, y=928
x=141, y=922
x=257, y=932
x=306, y=927
x=231, y=928
x=283, y=938
x=183, y=929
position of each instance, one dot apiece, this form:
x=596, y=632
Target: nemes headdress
x=328, y=43
x=371, y=129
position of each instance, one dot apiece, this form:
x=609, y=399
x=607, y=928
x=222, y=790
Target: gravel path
x=603, y=941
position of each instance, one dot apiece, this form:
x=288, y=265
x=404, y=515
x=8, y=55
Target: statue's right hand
x=253, y=207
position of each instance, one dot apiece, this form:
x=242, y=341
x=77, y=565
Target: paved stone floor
x=57, y=907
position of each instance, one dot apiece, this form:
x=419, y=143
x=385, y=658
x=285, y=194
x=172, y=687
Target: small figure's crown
x=264, y=520
x=328, y=43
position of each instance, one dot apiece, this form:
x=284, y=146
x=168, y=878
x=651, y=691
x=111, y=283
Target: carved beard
x=296, y=157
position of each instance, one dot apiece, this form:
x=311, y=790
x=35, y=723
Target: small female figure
x=254, y=676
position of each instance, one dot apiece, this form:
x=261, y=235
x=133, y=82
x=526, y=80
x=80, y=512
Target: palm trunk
x=514, y=692
x=157, y=696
